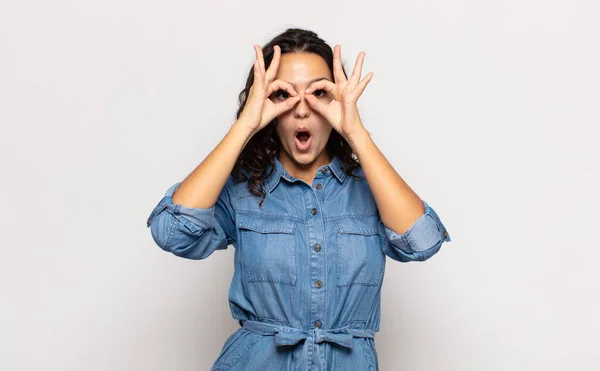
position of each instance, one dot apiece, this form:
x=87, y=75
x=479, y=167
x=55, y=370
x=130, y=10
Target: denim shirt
x=308, y=266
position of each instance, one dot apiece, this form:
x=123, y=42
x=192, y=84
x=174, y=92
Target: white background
x=488, y=109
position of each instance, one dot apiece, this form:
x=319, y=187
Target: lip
x=302, y=129
x=303, y=147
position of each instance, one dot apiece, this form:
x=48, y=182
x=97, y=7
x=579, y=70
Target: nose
x=301, y=110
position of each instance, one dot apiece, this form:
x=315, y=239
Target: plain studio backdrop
x=488, y=109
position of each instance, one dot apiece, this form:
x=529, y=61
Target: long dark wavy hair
x=260, y=151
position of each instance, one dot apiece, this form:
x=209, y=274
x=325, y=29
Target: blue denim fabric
x=308, y=266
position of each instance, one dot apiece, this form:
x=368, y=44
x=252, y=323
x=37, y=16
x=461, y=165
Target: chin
x=305, y=158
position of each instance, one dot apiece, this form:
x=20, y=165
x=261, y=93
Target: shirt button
x=318, y=324
x=319, y=284
x=319, y=186
x=445, y=234
x=317, y=247
x=324, y=170
x=313, y=211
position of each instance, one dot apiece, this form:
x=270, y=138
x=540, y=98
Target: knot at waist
x=285, y=335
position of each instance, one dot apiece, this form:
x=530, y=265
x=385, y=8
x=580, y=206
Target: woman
x=312, y=208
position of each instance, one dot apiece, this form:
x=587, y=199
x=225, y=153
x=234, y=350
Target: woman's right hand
x=259, y=109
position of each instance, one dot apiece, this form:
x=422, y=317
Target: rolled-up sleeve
x=193, y=233
x=421, y=241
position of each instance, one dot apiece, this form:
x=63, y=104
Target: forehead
x=302, y=67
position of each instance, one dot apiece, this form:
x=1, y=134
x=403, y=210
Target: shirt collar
x=335, y=166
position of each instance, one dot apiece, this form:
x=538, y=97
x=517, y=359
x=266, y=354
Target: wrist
x=358, y=137
x=246, y=125
x=243, y=128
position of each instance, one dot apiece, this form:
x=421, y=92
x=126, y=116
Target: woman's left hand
x=341, y=111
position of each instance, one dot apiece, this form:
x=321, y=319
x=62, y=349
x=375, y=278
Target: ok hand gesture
x=341, y=111
x=259, y=109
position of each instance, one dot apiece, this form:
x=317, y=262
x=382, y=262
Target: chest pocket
x=267, y=248
x=360, y=259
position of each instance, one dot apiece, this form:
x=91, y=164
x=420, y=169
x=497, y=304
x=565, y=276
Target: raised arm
x=196, y=217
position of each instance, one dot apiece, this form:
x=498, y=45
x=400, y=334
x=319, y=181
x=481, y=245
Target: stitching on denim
x=260, y=279
x=278, y=225
x=277, y=321
x=185, y=222
x=356, y=283
x=342, y=216
x=363, y=227
x=269, y=216
x=240, y=350
x=171, y=233
x=350, y=322
x=155, y=211
x=377, y=279
x=255, y=278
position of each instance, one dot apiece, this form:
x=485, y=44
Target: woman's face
x=303, y=151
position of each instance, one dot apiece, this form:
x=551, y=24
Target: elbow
x=184, y=240
x=427, y=253
x=161, y=230
x=403, y=253
x=420, y=242
x=198, y=248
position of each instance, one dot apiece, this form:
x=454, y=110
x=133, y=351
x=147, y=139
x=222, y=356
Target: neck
x=307, y=171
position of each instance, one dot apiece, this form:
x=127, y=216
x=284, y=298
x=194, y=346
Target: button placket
x=317, y=270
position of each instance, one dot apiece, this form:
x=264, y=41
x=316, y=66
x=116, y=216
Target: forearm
x=399, y=206
x=201, y=188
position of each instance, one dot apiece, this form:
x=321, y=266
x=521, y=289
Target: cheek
x=324, y=133
x=285, y=117
x=325, y=125
x=280, y=129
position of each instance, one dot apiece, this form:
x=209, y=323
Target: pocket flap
x=367, y=225
x=265, y=223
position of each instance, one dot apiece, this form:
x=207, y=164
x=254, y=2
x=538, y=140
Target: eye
x=281, y=94
x=319, y=93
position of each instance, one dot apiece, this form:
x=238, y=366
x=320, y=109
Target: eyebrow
x=311, y=81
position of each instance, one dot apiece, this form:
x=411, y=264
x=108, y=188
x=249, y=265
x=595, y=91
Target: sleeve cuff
x=425, y=233
x=194, y=219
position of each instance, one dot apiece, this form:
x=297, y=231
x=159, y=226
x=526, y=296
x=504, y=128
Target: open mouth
x=302, y=139
x=302, y=135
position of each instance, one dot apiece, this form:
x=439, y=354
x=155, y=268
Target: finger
x=326, y=85
x=272, y=71
x=363, y=84
x=281, y=85
x=316, y=104
x=257, y=75
x=261, y=59
x=338, y=72
x=286, y=105
x=356, y=73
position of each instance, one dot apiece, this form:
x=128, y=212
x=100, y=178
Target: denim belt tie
x=285, y=335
